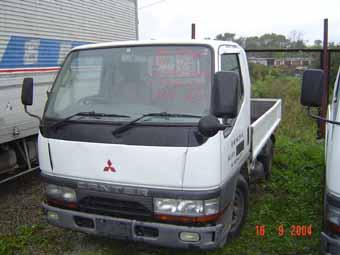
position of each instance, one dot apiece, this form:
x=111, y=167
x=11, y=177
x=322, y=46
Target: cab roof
x=212, y=43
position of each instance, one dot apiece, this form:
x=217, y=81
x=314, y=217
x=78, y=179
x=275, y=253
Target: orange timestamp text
x=293, y=230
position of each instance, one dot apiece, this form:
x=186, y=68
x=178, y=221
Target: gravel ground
x=20, y=203
x=20, y=207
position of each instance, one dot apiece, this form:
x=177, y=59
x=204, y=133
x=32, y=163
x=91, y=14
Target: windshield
x=133, y=81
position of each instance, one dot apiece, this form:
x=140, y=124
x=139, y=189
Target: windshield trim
x=211, y=49
x=117, y=122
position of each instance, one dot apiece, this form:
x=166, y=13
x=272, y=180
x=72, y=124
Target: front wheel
x=240, y=208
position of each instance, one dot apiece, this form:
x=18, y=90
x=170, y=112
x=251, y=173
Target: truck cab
x=331, y=234
x=311, y=96
x=154, y=141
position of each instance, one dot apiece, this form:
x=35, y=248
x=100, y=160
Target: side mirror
x=225, y=94
x=311, y=90
x=209, y=126
x=27, y=96
x=27, y=92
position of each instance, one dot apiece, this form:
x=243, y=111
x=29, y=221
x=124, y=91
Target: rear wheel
x=266, y=158
x=240, y=208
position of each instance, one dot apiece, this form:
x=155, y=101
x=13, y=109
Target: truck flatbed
x=265, y=118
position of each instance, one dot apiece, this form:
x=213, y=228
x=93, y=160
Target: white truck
x=154, y=141
x=311, y=96
x=35, y=37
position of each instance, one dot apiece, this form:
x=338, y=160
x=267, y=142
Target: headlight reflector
x=165, y=205
x=211, y=206
x=185, y=207
x=61, y=193
x=190, y=207
x=53, y=191
x=69, y=195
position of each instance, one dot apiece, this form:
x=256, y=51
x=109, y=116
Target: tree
x=265, y=41
x=226, y=37
x=296, y=40
x=318, y=43
x=295, y=36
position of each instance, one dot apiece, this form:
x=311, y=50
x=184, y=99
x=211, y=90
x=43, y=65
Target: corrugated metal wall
x=32, y=31
x=78, y=20
x=35, y=36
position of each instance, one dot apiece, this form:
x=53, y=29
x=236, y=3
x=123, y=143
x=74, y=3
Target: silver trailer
x=35, y=37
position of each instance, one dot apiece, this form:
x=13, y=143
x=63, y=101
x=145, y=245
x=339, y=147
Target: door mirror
x=27, y=96
x=311, y=90
x=27, y=92
x=209, y=126
x=225, y=94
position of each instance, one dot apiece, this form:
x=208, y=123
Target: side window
x=230, y=62
x=336, y=97
x=83, y=79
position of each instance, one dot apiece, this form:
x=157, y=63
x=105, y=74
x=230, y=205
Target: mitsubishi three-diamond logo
x=109, y=167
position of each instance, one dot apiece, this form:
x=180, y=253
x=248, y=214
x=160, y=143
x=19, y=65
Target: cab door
x=235, y=140
x=333, y=111
x=332, y=145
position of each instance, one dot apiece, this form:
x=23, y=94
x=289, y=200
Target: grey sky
x=172, y=19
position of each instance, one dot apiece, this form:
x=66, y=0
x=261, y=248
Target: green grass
x=35, y=239
x=293, y=196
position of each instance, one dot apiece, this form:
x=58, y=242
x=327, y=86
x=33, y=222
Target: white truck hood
x=191, y=168
x=120, y=164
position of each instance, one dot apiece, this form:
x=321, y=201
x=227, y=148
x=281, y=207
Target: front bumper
x=329, y=245
x=155, y=233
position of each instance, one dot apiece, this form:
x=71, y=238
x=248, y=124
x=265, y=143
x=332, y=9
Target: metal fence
x=300, y=60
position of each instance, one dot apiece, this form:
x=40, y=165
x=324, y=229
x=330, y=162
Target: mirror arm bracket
x=224, y=126
x=32, y=115
x=321, y=118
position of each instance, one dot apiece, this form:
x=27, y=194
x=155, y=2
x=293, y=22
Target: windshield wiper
x=86, y=114
x=159, y=114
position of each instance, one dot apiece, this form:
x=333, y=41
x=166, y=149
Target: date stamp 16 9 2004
x=293, y=230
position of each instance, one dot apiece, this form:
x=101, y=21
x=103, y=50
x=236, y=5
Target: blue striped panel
x=27, y=52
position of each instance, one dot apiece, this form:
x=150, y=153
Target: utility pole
x=325, y=67
x=193, y=31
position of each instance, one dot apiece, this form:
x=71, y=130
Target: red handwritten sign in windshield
x=178, y=62
x=180, y=75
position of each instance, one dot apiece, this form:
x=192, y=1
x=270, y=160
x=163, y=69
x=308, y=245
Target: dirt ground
x=20, y=201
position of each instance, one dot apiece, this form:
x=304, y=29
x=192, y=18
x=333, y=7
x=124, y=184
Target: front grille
x=114, y=207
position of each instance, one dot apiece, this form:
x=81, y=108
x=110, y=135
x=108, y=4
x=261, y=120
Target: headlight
x=62, y=193
x=333, y=214
x=69, y=195
x=53, y=191
x=185, y=207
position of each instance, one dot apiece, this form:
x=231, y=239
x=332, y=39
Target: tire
x=240, y=210
x=266, y=158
